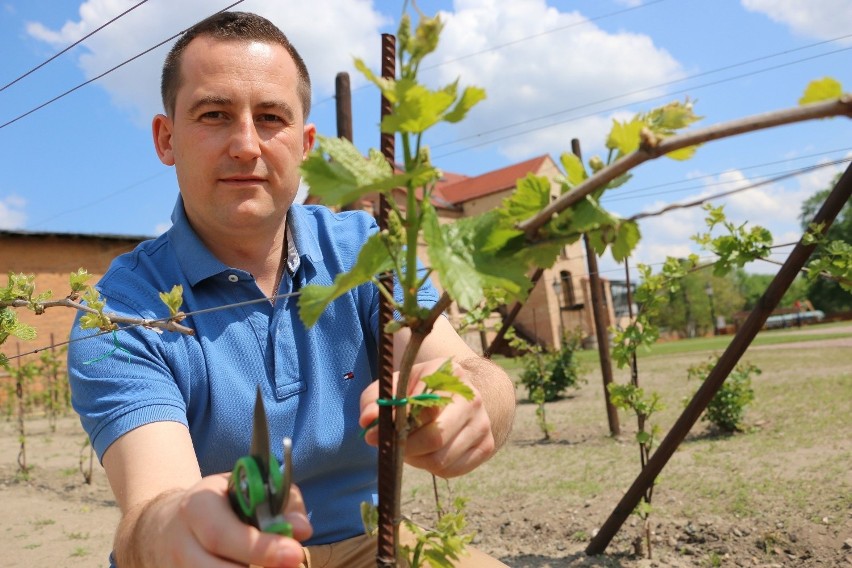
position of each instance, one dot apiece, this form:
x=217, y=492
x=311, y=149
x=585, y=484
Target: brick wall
x=51, y=257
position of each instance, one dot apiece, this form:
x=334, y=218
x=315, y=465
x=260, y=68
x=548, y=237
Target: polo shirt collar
x=302, y=234
x=198, y=263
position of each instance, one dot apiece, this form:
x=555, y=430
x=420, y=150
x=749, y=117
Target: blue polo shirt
x=311, y=379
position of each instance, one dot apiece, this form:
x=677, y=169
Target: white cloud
x=821, y=19
x=353, y=25
x=552, y=65
x=161, y=228
x=775, y=206
x=13, y=212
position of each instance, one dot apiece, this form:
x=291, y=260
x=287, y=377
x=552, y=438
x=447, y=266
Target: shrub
x=547, y=375
x=727, y=407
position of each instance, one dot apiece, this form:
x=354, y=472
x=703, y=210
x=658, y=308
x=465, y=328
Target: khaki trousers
x=360, y=552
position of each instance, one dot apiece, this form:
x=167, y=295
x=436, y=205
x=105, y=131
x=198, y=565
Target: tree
x=826, y=294
x=752, y=287
x=689, y=312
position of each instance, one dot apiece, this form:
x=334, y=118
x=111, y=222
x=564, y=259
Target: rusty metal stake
x=386, y=551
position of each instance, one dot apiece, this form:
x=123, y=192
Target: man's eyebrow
x=282, y=107
x=208, y=100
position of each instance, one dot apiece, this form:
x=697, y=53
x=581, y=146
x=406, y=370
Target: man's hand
x=450, y=440
x=197, y=527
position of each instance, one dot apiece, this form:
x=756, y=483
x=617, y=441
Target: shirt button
x=233, y=278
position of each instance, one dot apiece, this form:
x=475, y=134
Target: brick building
x=51, y=257
x=561, y=300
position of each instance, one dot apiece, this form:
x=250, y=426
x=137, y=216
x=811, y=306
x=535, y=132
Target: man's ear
x=308, y=137
x=161, y=128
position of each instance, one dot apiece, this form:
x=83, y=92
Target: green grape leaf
x=626, y=238
x=624, y=136
x=470, y=97
x=23, y=331
x=531, y=195
x=466, y=269
x=418, y=108
x=373, y=259
x=386, y=86
x=574, y=171
x=824, y=89
x=79, y=280
x=425, y=39
x=683, y=154
x=347, y=174
x=443, y=380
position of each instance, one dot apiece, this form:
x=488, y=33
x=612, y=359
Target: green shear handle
x=258, y=490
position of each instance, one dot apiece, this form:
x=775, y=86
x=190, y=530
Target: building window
x=568, y=296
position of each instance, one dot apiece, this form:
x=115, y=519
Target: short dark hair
x=231, y=26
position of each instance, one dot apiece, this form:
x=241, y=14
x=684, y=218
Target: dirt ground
x=538, y=502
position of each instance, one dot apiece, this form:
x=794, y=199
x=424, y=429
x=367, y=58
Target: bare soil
x=777, y=495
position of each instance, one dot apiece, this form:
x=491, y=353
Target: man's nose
x=245, y=142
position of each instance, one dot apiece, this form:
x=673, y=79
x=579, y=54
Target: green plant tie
x=398, y=402
x=116, y=347
x=403, y=401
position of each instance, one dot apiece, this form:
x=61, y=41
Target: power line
x=703, y=200
x=75, y=44
x=101, y=199
x=514, y=42
x=610, y=109
x=781, y=175
x=107, y=72
x=148, y=322
x=544, y=33
x=743, y=168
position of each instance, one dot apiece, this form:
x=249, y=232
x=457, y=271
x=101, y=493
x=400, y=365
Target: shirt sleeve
x=120, y=380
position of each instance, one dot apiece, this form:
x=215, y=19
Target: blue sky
x=553, y=71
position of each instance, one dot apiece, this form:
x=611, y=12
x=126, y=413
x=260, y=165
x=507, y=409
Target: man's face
x=237, y=136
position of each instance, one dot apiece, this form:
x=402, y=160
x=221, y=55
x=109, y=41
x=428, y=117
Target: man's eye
x=269, y=118
x=213, y=115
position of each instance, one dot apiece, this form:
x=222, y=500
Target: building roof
x=456, y=188
x=83, y=236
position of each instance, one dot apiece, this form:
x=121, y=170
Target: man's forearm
x=134, y=539
x=498, y=394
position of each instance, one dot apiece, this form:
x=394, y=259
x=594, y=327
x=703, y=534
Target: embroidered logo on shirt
x=348, y=376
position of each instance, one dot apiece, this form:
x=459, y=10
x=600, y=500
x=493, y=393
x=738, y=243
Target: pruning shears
x=258, y=490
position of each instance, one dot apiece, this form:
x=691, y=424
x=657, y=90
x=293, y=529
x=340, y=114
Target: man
x=169, y=414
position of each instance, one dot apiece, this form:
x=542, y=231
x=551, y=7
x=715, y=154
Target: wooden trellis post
x=729, y=359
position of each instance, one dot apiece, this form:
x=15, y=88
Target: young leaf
x=444, y=381
x=574, y=170
x=824, y=89
x=386, y=86
x=470, y=97
x=417, y=107
x=79, y=280
x=624, y=136
x=173, y=299
x=683, y=154
x=531, y=195
x=626, y=239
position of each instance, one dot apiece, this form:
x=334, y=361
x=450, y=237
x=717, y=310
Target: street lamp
x=557, y=289
x=708, y=289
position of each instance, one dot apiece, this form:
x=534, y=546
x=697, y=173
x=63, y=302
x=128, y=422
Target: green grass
x=719, y=343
